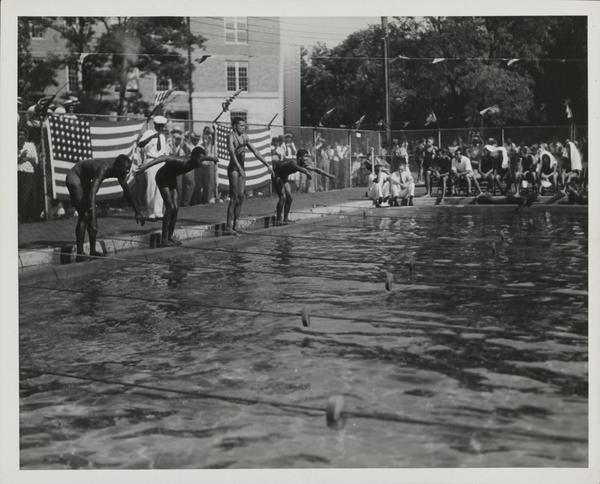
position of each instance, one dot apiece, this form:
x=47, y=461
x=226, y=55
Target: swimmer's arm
x=321, y=172
x=129, y=198
x=214, y=159
x=156, y=161
x=260, y=157
x=144, y=141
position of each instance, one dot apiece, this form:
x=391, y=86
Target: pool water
x=477, y=357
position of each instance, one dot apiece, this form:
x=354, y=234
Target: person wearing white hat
x=154, y=144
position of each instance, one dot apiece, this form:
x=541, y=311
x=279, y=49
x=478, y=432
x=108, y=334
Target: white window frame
x=236, y=21
x=156, y=89
x=32, y=30
x=237, y=65
x=239, y=113
x=69, y=68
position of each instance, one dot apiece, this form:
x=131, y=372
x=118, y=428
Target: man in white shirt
x=154, y=144
x=402, y=185
x=463, y=170
x=379, y=187
x=27, y=160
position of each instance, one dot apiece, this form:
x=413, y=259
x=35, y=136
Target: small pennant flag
x=162, y=96
x=359, y=122
x=437, y=60
x=325, y=115
x=431, y=119
x=568, y=110
x=512, y=61
x=491, y=110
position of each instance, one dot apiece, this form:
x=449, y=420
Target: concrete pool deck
x=43, y=244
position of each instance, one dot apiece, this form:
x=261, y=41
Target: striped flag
x=74, y=139
x=256, y=173
x=161, y=96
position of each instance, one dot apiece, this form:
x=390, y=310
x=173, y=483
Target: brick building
x=245, y=53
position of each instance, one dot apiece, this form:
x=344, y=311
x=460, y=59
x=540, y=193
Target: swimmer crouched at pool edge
x=280, y=181
x=83, y=182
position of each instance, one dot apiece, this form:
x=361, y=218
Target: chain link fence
x=348, y=154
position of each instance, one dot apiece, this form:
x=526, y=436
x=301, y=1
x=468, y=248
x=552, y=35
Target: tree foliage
x=109, y=52
x=34, y=75
x=475, y=74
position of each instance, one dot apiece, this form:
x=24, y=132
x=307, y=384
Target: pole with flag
x=569, y=113
x=326, y=115
x=225, y=104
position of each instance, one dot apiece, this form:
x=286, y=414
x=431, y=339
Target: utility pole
x=189, y=65
x=386, y=73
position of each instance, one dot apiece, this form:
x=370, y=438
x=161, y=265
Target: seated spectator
x=439, y=172
x=526, y=174
x=379, y=188
x=547, y=169
x=462, y=171
x=401, y=186
x=429, y=155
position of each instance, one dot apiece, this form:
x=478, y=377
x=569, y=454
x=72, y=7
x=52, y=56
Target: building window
x=237, y=76
x=37, y=30
x=236, y=30
x=73, y=76
x=163, y=83
x=243, y=115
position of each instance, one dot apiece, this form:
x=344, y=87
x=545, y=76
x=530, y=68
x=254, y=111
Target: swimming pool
x=478, y=357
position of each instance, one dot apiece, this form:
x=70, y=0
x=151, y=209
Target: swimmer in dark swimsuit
x=237, y=142
x=166, y=180
x=83, y=182
x=280, y=181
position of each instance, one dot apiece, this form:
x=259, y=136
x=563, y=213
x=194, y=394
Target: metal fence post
x=44, y=170
x=349, y=178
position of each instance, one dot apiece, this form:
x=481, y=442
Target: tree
x=475, y=74
x=150, y=44
x=34, y=74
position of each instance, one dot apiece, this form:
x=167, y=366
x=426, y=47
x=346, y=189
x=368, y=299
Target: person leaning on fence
x=166, y=180
x=83, y=182
x=237, y=144
x=154, y=144
x=27, y=160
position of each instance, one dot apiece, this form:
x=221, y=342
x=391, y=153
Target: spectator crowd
x=461, y=168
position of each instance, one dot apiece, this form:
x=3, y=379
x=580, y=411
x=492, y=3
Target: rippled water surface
x=476, y=357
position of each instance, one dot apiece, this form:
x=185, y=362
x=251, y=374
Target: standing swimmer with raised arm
x=237, y=142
